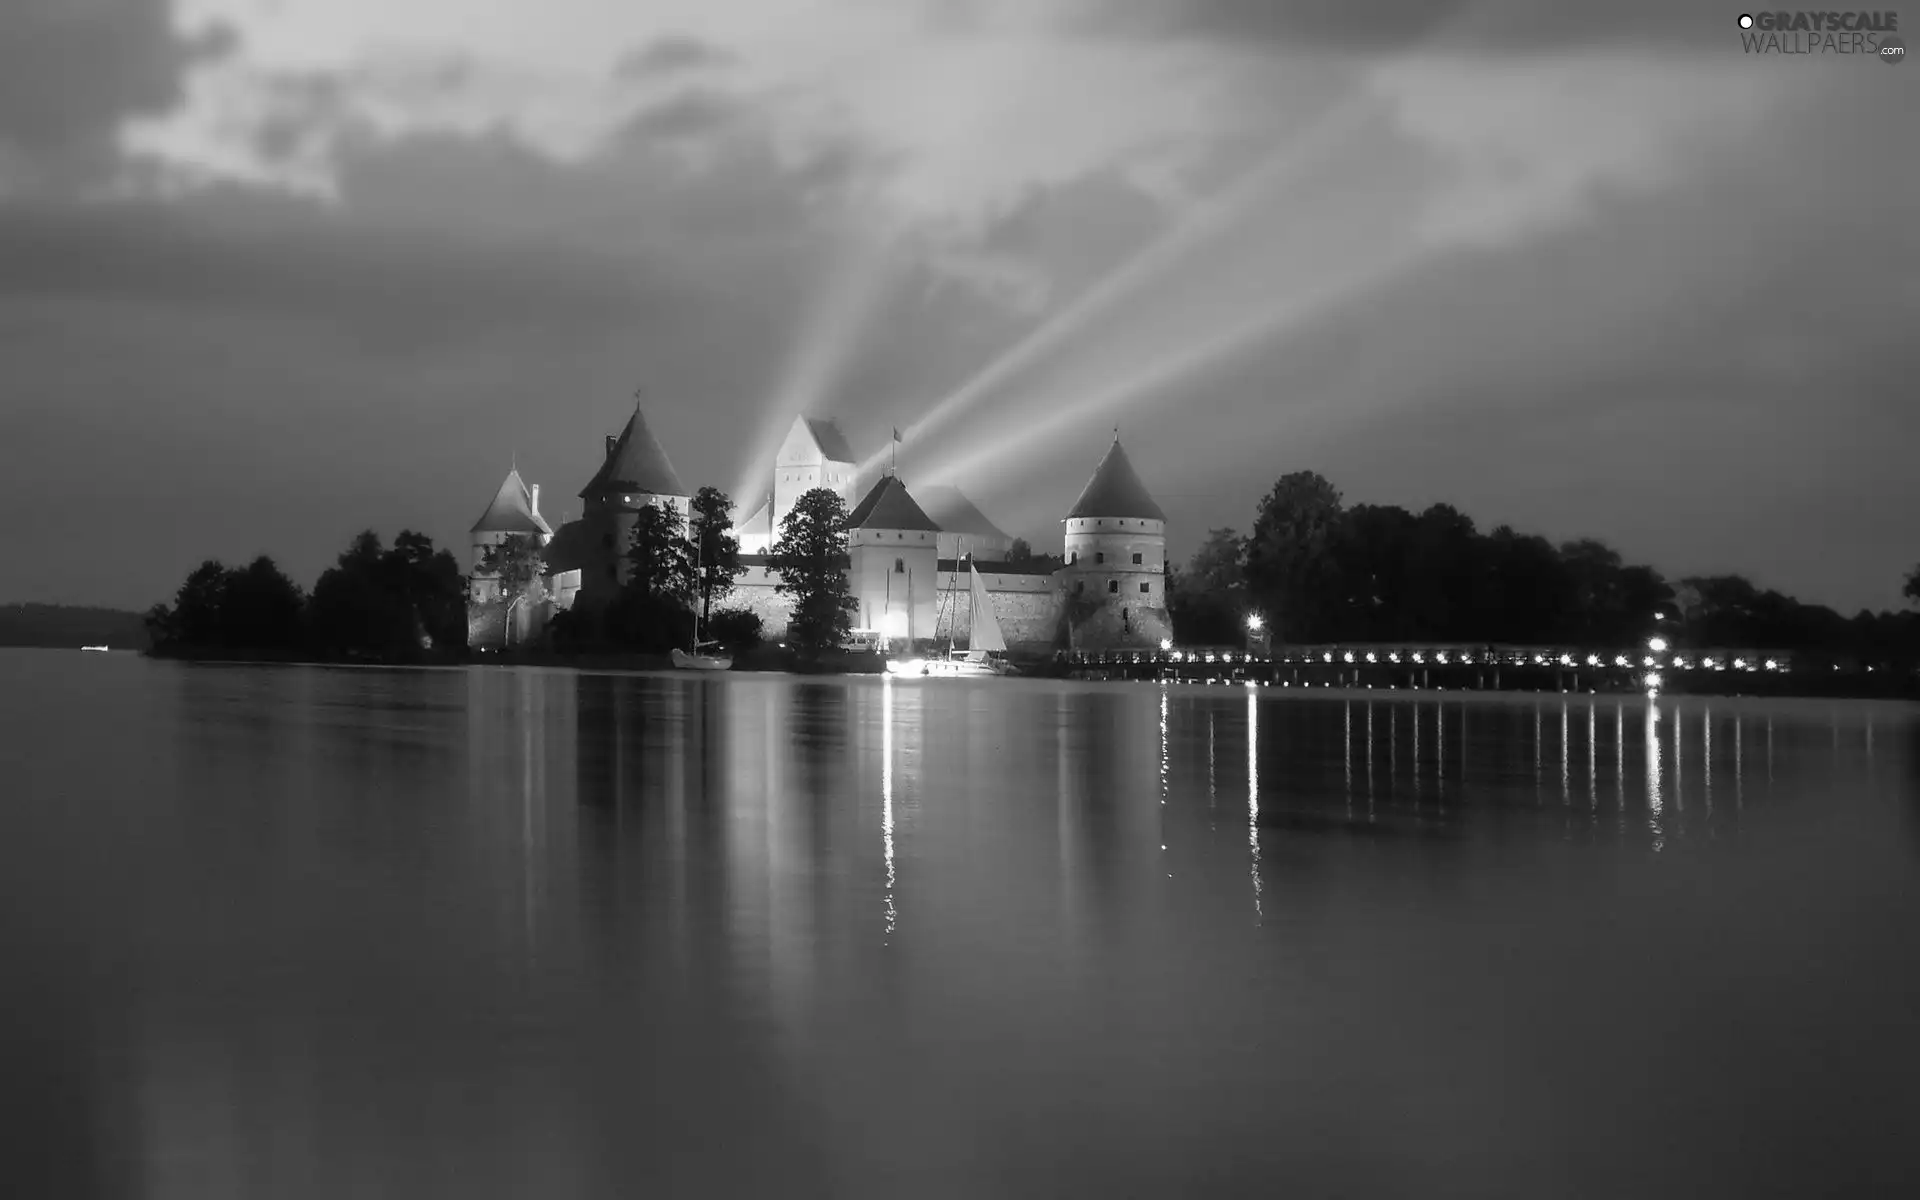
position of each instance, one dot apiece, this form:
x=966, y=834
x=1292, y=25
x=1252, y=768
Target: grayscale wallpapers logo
x=1867, y=34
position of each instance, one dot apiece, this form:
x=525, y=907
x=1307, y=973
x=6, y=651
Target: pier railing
x=1488, y=667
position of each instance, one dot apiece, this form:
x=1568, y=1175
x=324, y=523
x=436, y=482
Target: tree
x=1290, y=568
x=660, y=556
x=1019, y=552
x=261, y=609
x=717, y=550
x=810, y=558
x=1912, y=589
x=432, y=586
x=255, y=607
x=514, y=562
x=1220, y=564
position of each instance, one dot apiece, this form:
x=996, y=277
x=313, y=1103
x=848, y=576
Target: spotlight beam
x=1198, y=356
x=1219, y=213
x=819, y=356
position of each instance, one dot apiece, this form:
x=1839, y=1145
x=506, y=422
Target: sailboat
x=987, y=653
x=693, y=659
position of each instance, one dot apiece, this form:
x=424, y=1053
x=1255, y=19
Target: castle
x=907, y=551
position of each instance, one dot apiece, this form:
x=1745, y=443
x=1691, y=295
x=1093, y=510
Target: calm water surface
x=298, y=932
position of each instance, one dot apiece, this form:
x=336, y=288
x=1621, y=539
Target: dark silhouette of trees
x=716, y=549
x=1019, y=552
x=660, y=557
x=250, y=608
x=1912, y=589
x=736, y=629
x=811, y=558
x=654, y=610
x=1208, y=601
x=1320, y=571
x=1291, y=572
x=393, y=604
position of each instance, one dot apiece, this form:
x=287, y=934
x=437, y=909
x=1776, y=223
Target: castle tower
x=515, y=509
x=815, y=454
x=893, y=568
x=1116, y=547
x=635, y=474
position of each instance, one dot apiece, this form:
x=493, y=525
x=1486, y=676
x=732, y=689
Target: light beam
x=1212, y=217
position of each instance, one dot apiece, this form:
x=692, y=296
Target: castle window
x=899, y=566
x=1146, y=588
x=1100, y=557
x=899, y=537
x=1136, y=560
x=1075, y=558
x=1113, y=587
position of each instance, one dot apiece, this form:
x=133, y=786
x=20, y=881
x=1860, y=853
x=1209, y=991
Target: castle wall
x=487, y=622
x=754, y=593
x=609, y=524
x=799, y=467
x=1128, y=598
x=895, y=571
x=1027, y=607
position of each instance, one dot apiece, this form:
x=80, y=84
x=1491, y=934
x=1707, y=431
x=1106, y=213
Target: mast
x=701, y=583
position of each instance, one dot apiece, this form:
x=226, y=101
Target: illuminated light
x=1371, y=657
x=1710, y=664
x=1539, y=660
x=1209, y=658
x=1249, y=683
x=1658, y=645
x=1255, y=623
x=1739, y=664
x=1393, y=656
x=1166, y=644
x=1348, y=656
x=1440, y=657
x=1653, y=680
x=894, y=624
x=1248, y=197
x=1566, y=660
x=1327, y=657
x=1649, y=661
x=1416, y=657
x=1593, y=660
x=1678, y=661
x=1620, y=660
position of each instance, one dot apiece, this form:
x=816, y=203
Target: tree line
x=399, y=603
x=1319, y=570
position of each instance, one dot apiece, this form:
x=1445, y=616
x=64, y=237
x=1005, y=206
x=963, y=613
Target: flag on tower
x=896, y=433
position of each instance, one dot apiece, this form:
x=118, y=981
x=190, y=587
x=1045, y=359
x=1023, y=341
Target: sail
x=986, y=627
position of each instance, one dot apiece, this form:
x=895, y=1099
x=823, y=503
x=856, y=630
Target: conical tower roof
x=511, y=510
x=889, y=506
x=1115, y=491
x=635, y=464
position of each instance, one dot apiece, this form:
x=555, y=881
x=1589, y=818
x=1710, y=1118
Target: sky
x=275, y=271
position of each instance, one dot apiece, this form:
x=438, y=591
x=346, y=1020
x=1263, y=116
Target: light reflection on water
x=304, y=932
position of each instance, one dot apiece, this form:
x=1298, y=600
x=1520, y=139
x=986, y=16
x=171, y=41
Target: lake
x=288, y=932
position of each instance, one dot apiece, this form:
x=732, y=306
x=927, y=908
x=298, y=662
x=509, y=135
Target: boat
x=700, y=662
x=986, y=654
x=694, y=658
x=98, y=649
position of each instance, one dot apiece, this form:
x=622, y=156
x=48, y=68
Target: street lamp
x=1658, y=645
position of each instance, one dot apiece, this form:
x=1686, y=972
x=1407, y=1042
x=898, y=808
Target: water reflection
x=544, y=933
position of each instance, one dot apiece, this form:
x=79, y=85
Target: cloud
x=1384, y=26
x=670, y=56
x=72, y=73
